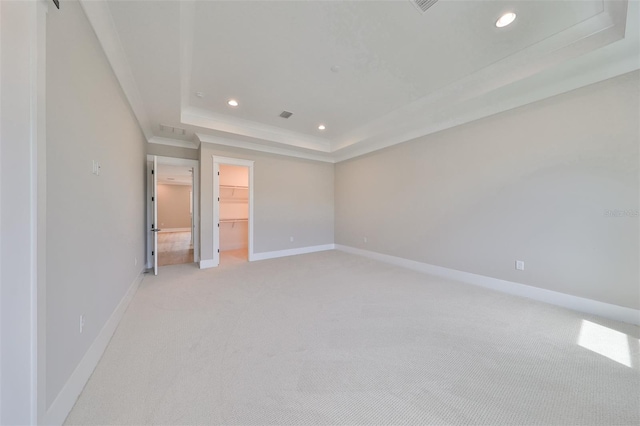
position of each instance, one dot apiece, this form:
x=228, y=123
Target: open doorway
x=175, y=214
x=234, y=213
x=232, y=210
x=174, y=226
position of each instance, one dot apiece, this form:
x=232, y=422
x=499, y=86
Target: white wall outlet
x=81, y=323
x=366, y=240
x=96, y=168
x=290, y=239
x=135, y=261
x=520, y=265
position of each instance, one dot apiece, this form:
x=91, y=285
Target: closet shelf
x=234, y=187
x=233, y=221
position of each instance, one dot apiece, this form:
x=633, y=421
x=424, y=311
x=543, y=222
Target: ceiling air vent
x=423, y=5
x=286, y=114
x=171, y=129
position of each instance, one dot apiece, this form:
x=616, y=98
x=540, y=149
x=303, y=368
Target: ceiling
x=375, y=73
x=174, y=175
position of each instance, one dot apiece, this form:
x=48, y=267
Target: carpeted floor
x=333, y=338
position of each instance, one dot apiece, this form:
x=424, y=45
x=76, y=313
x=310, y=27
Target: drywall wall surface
x=292, y=198
x=174, y=206
x=554, y=184
x=172, y=151
x=95, y=223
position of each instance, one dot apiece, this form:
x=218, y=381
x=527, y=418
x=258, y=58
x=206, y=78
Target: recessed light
x=233, y=102
x=321, y=127
x=505, y=19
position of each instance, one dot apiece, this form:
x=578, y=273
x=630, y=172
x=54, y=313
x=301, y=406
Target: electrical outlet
x=96, y=168
x=135, y=261
x=81, y=323
x=520, y=265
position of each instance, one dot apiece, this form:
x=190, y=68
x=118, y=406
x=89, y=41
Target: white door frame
x=195, y=203
x=217, y=160
x=23, y=212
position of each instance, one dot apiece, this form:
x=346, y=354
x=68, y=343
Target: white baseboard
x=164, y=230
x=64, y=402
x=207, y=263
x=290, y=252
x=606, y=310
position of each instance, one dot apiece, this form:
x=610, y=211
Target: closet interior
x=234, y=212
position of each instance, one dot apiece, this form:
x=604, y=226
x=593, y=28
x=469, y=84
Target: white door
x=154, y=211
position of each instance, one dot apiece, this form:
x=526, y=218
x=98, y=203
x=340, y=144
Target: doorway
x=175, y=214
x=234, y=213
x=233, y=210
x=172, y=211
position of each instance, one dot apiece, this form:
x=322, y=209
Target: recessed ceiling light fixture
x=321, y=127
x=233, y=102
x=505, y=19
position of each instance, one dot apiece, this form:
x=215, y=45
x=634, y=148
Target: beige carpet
x=333, y=338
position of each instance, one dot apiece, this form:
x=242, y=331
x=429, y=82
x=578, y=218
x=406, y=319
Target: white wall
x=95, y=224
x=174, y=206
x=292, y=198
x=533, y=184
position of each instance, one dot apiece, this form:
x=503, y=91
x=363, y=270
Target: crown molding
x=264, y=148
x=602, y=47
x=474, y=96
x=205, y=119
x=174, y=142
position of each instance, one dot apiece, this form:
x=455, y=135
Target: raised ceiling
x=374, y=73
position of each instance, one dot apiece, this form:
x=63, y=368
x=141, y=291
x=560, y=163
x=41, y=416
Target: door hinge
x=153, y=253
x=218, y=250
x=218, y=225
x=152, y=171
x=153, y=198
x=218, y=173
x=218, y=198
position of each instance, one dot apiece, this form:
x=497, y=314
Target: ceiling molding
x=441, y=109
x=173, y=142
x=103, y=25
x=264, y=148
x=226, y=123
x=601, y=47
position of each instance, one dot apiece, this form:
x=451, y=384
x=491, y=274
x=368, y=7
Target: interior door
x=154, y=211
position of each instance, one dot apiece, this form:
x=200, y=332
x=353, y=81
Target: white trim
x=264, y=148
x=226, y=123
x=217, y=160
x=159, y=140
x=62, y=405
x=209, y=263
x=169, y=230
x=292, y=252
x=606, y=310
